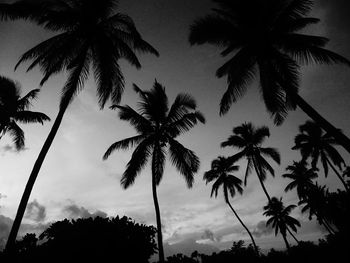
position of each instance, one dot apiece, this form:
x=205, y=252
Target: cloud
x=10, y=149
x=36, y=211
x=75, y=211
x=208, y=234
x=262, y=230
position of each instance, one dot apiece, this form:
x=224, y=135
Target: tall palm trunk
x=290, y=232
x=327, y=126
x=34, y=174
x=73, y=80
x=239, y=219
x=159, y=224
x=284, y=235
x=338, y=174
x=257, y=170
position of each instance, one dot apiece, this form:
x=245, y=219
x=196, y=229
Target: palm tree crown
x=301, y=177
x=221, y=169
x=249, y=140
x=279, y=217
x=90, y=33
x=14, y=108
x=262, y=39
x=158, y=126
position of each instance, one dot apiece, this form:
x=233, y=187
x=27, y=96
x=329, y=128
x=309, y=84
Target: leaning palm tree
x=316, y=204
x=301, y=177
x=221, y=172
x=14, y=108
x=262, y=39
x=158, y=126
x=249, y=140
x=315, y=144
x=280, y=218
x=90, y=34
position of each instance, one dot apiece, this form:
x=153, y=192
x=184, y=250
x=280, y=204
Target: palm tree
x=90, y=34
x=249, y=139
x=221, y=173
x=316, y=204
x=262, y=40
x=280, y=218
x=158, y=126
x=315, y=144
x=14, y=108
x=301, y=177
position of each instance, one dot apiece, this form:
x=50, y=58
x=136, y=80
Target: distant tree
x=265, y=40
x=90, y=34
x=221, y=173
x=301, y=177
x=14, y=108
x=249, y=140
x=280, y=219
x=158, y=126
x=89, y=240
x=315, y=144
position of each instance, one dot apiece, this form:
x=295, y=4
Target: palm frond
x=184, y=160
x=212, y=29
x=137, y=162
x=272, y=153
x=17, y=135
x=124, y=144
x=31, y=117
x=139, y=122
x=25, y=101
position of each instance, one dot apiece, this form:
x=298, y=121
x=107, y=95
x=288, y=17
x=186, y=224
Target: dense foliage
x=87, y=240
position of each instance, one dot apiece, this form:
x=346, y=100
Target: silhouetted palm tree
x=262, y=40
x=249, y=139
x=14, y=108
x=90, y=34
x=221, y=172
x=315, y=144
x=280, y=219
x=316, y=204
x=301, y=177
x=158, y=126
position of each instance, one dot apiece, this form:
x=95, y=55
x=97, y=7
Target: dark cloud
x=262, y=230
x=36, y=211
x=208, y=234
x=75, y=211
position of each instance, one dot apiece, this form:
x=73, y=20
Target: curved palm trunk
x=257, y=170
x=327, y=126
x=159, y=224
x=338, y=174
x=239, y=219
x=29, y=186
x=290, y=232
x=285, y=240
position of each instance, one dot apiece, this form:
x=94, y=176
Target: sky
x=75, y=182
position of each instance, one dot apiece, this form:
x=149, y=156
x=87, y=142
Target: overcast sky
x=75, y=182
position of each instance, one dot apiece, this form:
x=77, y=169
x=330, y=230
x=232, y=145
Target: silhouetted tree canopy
x=89, y=240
